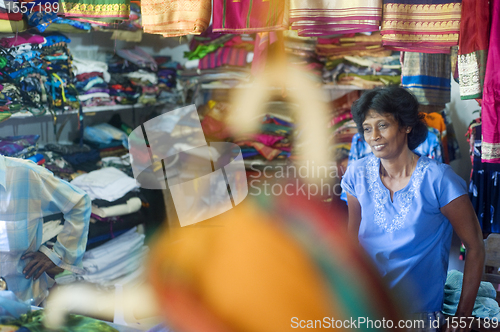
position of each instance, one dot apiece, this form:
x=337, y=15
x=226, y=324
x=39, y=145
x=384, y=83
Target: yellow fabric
x=175, y=17
x=13, y=26
x=241, y=260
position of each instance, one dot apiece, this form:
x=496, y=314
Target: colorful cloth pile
x=24, y=146
x=364, y=72
x=92, y=82
x=417, y=26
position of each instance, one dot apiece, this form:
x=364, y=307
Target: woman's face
x=382, y=132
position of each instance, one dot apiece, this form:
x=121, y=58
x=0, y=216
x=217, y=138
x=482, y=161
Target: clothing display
x=102, y=69
x=421, y=26
x=322, y=18
x=249, y=16
x=421, y=199
x=175, y=18
x=490, y=110
x=428, y=77
x=473, y=47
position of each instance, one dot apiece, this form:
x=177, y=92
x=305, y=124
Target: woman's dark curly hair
x=396, y=101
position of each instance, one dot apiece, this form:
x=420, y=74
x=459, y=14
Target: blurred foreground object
x=273, y=263
x=266, y=265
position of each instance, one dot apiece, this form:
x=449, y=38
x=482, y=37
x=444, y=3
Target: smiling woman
x=403, y=207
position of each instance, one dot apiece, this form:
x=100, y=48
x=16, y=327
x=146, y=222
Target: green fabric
x=201, y=51
x=74, y=323
x=4, y=116
x=3, y=62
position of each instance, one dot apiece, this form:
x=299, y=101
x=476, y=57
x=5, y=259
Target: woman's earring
x=408, y=130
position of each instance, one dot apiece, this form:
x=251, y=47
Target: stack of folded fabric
x=118, y=261
x=82, y=158
x=121, y=89
x=342, y=127
x=110, y=219
x=57, y=62
x=167, y=80
x=350, y=44
x=116, y=203
x=24, y=146
x=23, y=75
x=273, y=142
x=301, y=53
x=44, y=18
x=364, y=72
x=92, y=79
x=55, y=163
x=218, y=57
x=11, y=22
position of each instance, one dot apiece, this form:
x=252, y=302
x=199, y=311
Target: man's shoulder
x=19, y=165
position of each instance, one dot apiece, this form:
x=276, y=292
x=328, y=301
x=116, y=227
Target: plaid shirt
x=28, y=193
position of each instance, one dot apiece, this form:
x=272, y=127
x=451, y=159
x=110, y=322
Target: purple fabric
x=22, y=38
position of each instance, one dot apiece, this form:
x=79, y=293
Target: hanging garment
x=428, y=77
x=484, y=186
x=490, y=111
x=322, y=18
x=250, y=16
x=225, y=56
x=473, y=50
x=176, y=17
x=96, y=10
x=430, y=26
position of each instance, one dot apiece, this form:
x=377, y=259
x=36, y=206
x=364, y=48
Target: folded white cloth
x=133, y=205
x=107, y=183
x=81, y=66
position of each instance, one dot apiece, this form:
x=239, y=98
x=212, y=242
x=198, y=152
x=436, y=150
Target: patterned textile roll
x=176, y=17
x=429, y=26
x=327, y=17
x=250, y=16
x=474, y=35
x=428, y=77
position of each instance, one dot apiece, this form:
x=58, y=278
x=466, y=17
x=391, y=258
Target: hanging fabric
x=428, y=77
x=490, y=111
x=96, y=10
x=250, y=16
x=172, y=18
x=326, y=17
x=473, y=50
x=430, y=26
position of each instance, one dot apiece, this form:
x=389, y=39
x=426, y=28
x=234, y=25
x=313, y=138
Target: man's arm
x=59, y=196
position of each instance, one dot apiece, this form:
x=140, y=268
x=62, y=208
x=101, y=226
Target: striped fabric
x=225, y=56
x=27, y=194
x=430, y=26
x=428, y=77
x=249, y=16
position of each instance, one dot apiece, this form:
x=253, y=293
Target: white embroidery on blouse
x=381, y=195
